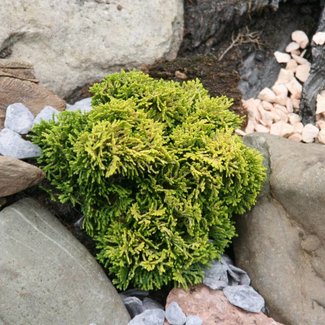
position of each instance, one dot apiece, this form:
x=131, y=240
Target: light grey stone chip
x=13, y=145
x=19, y=118
x=244, y=297
x=149, y=317
x=175, y=315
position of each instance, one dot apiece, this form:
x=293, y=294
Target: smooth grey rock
x=47, y=276
x=85, y=40
x=281, y=240
x=244, y=297
x=175, y=315
x=19, y=118
x=13, y=145
x=46, y=114
x=149, y=303
x=133, y=305
x=193, y=320
x=149, y=317
x=83, y=105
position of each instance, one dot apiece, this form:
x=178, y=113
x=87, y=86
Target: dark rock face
x=212, y=26
x=316, y=81
x=207, y=22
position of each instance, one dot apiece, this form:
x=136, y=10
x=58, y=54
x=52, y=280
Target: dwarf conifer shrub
x=158, y=173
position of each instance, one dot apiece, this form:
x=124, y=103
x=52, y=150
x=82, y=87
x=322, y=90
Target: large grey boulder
x=47, y=276
x=73, y=42
x=281, y=241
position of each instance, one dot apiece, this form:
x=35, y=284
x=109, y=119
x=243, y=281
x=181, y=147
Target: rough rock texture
x=316, y=81
x=16, y=175
x=73, y=42
x=281, y=241
x=213, y=307
x=18, y=85
x=47, y=276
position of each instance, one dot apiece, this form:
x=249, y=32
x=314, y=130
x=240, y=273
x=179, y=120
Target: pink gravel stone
x=280, y=90
x=294, y=118
x=301, y=38
x=319, y=38
x=284, y=76
x=299, y=59
x=302, y=72
x=321, y=124
x=320, y=105
x=282, y=57
x=282, y=129
x=289, y=105
x=292, y=65
x=261, y=129
x=250, y=127
x=295, y=137
x=321, y=136
x=267, y=106
x=295, y=103
x=298, y=127
x=267, y=94
x=295, y=88
x=309, y=133
x=293, y=46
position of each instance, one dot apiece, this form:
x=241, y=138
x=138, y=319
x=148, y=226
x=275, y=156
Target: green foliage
x=158, y=173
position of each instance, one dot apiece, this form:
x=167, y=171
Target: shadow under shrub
x=158, y=173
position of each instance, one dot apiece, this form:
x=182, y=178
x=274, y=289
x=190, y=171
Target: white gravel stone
x=19, y=118
x=319, y=38
x=282, y=57
x=293, y=46
x=301, y=38
x=47, y=113
x=309, y=133
x=320, y=105
x=174, y=314
x=13, y=145
x=302, y=72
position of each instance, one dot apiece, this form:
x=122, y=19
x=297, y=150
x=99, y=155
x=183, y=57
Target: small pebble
x=193, y=320
x=19, y=118
x=175, y=315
